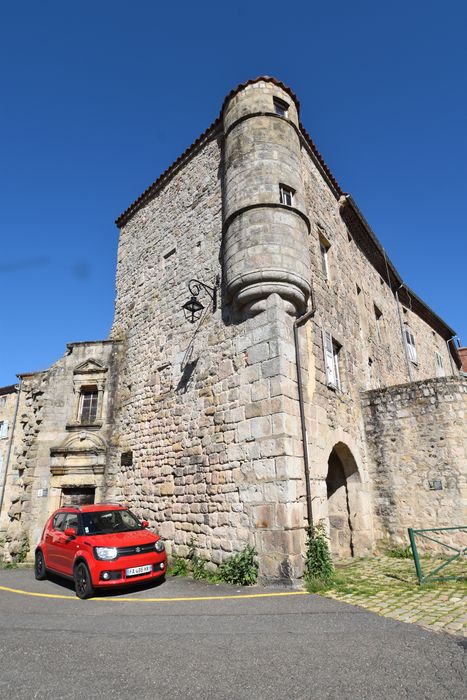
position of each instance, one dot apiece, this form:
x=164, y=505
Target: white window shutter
x=329, y=359
x=4, y=429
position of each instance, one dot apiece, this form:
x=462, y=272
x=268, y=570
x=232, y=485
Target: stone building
x=314, y=384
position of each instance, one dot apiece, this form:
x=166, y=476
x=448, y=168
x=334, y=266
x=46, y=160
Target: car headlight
x=160, y=546
x=105, y=553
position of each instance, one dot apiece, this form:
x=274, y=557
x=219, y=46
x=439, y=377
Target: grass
x=369, y=576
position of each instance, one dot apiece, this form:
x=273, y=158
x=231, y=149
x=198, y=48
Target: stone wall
x=8, y=402
x=356, y=305
x=417, y=436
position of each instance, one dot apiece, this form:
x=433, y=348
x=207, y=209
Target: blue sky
x=99, y=97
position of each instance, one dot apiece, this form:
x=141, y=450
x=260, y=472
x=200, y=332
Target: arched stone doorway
x=343, y=492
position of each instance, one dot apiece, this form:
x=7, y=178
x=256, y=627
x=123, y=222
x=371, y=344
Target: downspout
x=10, y=445
x=407, y=359
x=306, y=457
x=450, y=354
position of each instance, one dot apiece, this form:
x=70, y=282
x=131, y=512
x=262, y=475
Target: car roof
x=92, y=508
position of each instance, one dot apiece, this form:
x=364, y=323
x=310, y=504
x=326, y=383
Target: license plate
x=138, y=570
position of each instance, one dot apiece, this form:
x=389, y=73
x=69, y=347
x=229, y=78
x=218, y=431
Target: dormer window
x=280, y=107
x=88, y=404
x=286, y=195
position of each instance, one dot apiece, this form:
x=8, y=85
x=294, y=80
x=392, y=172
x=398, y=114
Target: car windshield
x=104, y=522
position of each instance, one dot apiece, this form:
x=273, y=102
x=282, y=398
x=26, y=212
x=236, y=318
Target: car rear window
x=105, y=522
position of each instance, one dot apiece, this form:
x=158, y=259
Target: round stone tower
x=265, y=222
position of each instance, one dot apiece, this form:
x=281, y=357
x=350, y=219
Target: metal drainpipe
x=450, y=356
x=10, y=445
x=306, y=458
x=407, y=359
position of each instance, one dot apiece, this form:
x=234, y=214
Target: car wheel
x=40, y=572
x=83, y=583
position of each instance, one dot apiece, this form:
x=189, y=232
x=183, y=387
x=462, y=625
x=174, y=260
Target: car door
x=53, y=538
x=66, y=546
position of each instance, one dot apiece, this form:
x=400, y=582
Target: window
x=3, y=429
x=379, y=322
x=280, y=107
x=286, y=195
x=439, y=365
x=331, y=360
x=88, y=407
x=410, y=343
x=2, y=401
x=71, y=520
x=59, y=521
x=324, y=249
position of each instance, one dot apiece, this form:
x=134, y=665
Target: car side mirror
x=70, y=532
x=145, y=523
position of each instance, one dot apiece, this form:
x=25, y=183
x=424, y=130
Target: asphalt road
x=293, y=646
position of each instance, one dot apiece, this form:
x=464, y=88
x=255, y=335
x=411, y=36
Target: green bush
x=178, y=567
x=241, y=569
x=319, y=569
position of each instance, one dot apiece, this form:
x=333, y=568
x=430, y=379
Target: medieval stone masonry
x=313, y=382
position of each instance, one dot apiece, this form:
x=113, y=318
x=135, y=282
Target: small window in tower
x=324, y=252
x=88, y=404
x=280, y=107
x=286, y=195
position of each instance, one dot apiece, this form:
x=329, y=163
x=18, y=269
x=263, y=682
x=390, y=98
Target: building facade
x=312, y=385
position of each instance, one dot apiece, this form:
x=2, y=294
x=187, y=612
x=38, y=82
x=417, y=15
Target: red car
x=99, y=546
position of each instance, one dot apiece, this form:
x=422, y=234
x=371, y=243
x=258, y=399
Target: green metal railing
x=460, y=552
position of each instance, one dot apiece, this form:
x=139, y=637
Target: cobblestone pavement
x=389, y=587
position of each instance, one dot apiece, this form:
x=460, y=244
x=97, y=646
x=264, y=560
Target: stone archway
x=343, y=486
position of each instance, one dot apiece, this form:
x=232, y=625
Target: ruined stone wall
x=8, y=401
x=417, y=435
x=47, y=419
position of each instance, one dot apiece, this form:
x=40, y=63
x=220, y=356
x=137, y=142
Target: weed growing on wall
x=241, y=569
x=178, y=567
x=319, y=569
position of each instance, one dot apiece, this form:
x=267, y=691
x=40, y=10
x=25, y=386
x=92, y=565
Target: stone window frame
x=281, y=107
x=286, y=194
x=88, y=374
